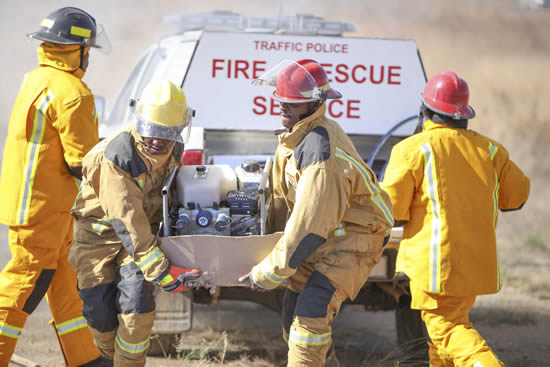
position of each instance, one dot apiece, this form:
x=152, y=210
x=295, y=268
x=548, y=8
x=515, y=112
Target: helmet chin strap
x=81, y=57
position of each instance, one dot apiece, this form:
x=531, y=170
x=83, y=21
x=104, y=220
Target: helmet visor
x=149, y=129
x=269, y=78
x=172, y=121
x=292, y=82
x=295, y=84
x=189, y=114
x=101, y=40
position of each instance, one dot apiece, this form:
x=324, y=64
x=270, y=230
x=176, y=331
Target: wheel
x=164, y=345
x=411, y=331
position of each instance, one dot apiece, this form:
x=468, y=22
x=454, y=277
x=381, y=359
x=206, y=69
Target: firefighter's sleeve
x=513, y=184
x=77, y=127
x=322, y=197
x=399, y=183
x=279, y=210
x=122, y=201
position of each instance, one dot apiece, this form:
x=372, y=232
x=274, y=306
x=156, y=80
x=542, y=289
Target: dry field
x=504, y=54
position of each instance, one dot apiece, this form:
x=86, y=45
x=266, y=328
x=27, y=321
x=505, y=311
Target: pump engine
x=217, y=200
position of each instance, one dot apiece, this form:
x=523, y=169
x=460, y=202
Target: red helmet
x=447, y=94
x=299, y=82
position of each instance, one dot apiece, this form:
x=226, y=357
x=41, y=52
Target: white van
x=217, y=55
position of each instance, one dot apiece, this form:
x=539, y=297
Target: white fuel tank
x=204, y=185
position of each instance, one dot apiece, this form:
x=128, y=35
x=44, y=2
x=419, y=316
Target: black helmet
x=68, y=26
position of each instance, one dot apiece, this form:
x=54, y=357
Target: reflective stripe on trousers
x=10, y=331
x=132, y=348
x=40, y=267
x=309, y=338
x=71, y=325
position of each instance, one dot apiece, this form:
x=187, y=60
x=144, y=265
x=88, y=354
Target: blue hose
x=383, y=140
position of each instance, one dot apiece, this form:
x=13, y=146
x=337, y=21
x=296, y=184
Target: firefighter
x=447, y=184
x=338, y=217
x=115, y=252
x=52, y=126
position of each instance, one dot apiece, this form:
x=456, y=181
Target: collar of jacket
x=431, y=125
x=62, y=57
x=153, y=161
x=302, y=128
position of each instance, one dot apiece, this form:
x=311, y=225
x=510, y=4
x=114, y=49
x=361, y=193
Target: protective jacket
x=120, y=199
x=448, y=184
x=53, y=124
x=329, y=191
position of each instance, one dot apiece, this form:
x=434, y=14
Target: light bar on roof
x=230, y=21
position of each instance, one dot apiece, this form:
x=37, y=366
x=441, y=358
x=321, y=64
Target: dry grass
x=215, y=354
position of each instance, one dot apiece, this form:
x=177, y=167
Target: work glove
x=247, y=280
x=174, y=281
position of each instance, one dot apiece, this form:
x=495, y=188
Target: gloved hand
x=247, y=280
x=174, y=281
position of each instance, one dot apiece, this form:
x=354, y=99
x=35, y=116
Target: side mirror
x=100, y=107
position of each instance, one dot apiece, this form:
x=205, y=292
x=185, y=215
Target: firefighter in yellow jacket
x=115, y=252
x=447, y=184
x=338, y=215
x=53, y=125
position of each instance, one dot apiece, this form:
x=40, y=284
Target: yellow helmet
x=162, y=112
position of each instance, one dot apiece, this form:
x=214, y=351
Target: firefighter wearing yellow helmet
x=115, y=252
x=52, y=126
x=447, y=184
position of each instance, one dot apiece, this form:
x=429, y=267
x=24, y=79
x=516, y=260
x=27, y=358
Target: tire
x=412, y=336
x=164, y=345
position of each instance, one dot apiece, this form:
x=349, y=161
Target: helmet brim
x=50, y=37
x=288, y=99
x=457, y=112
x=328, y=94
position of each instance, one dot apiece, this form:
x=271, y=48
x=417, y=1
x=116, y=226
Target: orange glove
x=174, y=281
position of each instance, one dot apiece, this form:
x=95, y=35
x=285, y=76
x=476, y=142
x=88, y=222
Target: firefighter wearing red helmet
x=447, y=184
x=334, y=214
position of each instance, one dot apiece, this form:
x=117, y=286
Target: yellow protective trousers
x=314, y=296
x=454, y=341
x=39, y=267
x=119, y=304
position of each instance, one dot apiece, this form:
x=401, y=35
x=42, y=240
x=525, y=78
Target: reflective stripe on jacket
x=53, y=123
x=448, y=184
x=327, y=187
x=121, y=200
